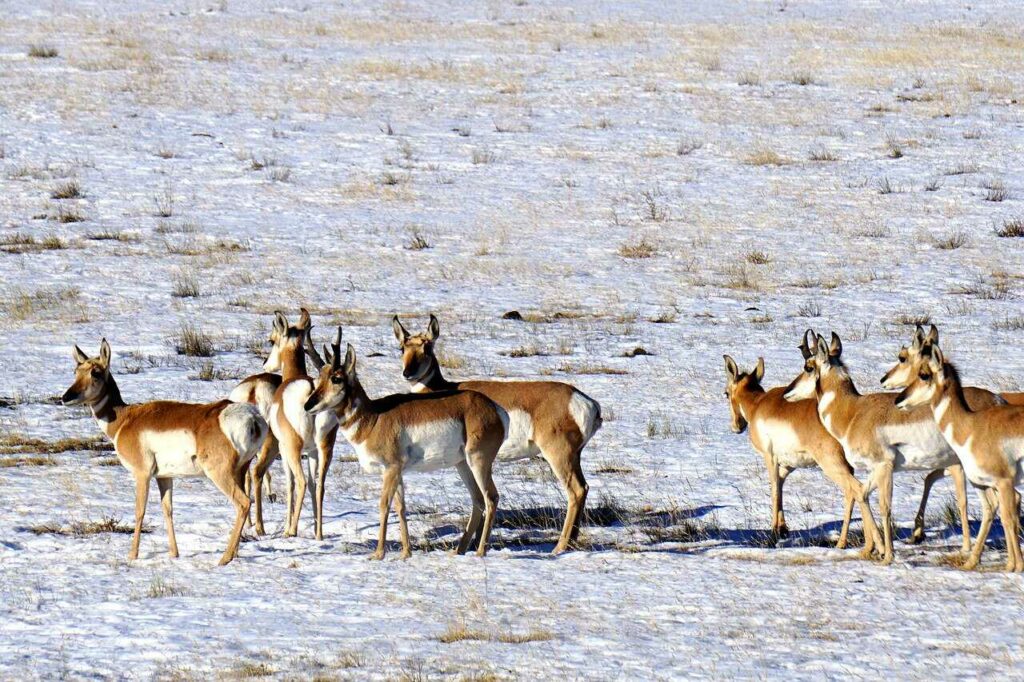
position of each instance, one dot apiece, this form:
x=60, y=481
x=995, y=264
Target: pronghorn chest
x=855, y=455
x=916, y=445
x=782, y=440
x=519, y=438
x=171, y=454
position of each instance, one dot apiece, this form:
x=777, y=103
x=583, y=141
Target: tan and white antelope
x=989, y=443
x=790, y=436
x=167, y=440
x=297, y=432
x=875, y=435
x=898, y=377
x=410, y=432
x=546, y=418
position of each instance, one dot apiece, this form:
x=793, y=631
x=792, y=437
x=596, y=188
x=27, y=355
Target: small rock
x=512, y=315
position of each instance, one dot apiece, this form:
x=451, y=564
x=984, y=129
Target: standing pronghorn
x=901, y=374
x=875, y=435
x=409, y=432
x=548, y=418
x=989, y=442
x=790, y=436
x=296, y=431
x=167, y=440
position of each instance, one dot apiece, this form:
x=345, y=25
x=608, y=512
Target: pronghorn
x=875, y=435
x=989, y=442
x=410, y=432
x=259, y=390
x=297, y=432
x=168, y=440
x=790, y=436
x=901, y=374
x=548, y=418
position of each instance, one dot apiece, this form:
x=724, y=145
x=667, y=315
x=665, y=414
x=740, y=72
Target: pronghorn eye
x=337, y=378
x=902, y=359
x=808, y=369
x=97, y=372
x=925, y=376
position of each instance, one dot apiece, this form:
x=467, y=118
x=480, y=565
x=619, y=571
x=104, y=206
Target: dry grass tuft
x=13, y=443
x=462, y=633
x=954, y=240
x=640, y=249
x=42, y=51
x=764, y=156
x=1012, y=227
x=69, y=189
x=82, y=529
x=194, y=342
x=24, y=305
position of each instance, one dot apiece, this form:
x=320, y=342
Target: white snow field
x=689, y=178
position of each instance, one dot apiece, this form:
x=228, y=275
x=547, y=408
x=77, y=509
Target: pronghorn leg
x=325, y=450
x=260, y=476
x=849, y=498
x=313, y=465
x=989, y=502
x=166, y=486
x=476, y=515
x=560, y=456
x=240, y=476
x=291, y=455
x=579, y=483
x=773, y=481
x=1008, y=515
x=917, y=536
x=391, y=478
x=833, y=464
x=403, y=526
x=481, y=466
x=960, y=482
x=228, y=480
x=885, y=509
x=782, y=530
x=141, y=493
x=874, y=539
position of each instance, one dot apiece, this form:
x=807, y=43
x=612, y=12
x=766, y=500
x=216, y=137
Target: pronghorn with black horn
x=902, y=373
x=297, y=432
x=989, y=443
x=167, y=440
x=790, y=436
x=546, y=418
x=415, y=432
x=875, y=435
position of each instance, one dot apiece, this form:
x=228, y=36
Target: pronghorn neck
x=293, y=363
x=433, y=380
x=748, y=398
x=356, y=410
x=835, y=390
x=106, y=410
x=949, y=405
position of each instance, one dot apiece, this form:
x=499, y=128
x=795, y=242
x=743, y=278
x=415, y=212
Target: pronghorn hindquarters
x=409, y=432
x=167, y=440
x=259, y=390
x=547, y=418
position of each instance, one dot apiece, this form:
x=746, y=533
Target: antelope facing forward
x=989, y=442
x=415, y=433
x=548, y=418
x=790, y=436
x=875, y=435
x=168, y=440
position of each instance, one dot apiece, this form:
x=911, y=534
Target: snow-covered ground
x=780, y=164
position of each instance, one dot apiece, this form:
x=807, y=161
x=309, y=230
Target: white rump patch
x=586, y=413
x=433, y=445
x=244, y=428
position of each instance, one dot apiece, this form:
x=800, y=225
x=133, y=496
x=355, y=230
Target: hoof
x=376, y=556
x=405, y=555
x=916, y=538
x=225, y=560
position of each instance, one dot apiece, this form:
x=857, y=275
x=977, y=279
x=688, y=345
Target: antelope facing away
x=549, y=418
x=297, y=432
x=410, y=432
x=875, y=435
x=790, y=436
x=902, y=373
x=167, y=440
x=989, y=442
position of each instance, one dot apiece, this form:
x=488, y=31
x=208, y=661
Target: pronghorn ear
x=730, y=367
x=933, y=336
x=328, y=356
x=105, y=353
x=304, y=321
x=938, y=360
x=79, y=355
x=280, y=322
x=759, y=370
x=918, y=338
x=433, y=328
x=401, y=333
x=835, y=347
x=350, y=360
x=821, y=348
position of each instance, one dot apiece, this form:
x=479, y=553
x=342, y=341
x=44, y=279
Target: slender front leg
x=885, y=508
x=260, y=476
x=166, y=486
x=325, y=449
x=960, y=482
x=481, y=466
x=391, y=477
x=476, y=514
x=403, y=526
x=141, y=493
x=917, y=536
x=849, y=498
x=780, y=521
x=1008, y=515
x=989, y=502
x=773, y=483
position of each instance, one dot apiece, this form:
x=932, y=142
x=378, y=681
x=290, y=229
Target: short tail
x=245, y=428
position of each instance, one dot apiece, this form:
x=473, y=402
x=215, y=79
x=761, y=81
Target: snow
x=299, y=147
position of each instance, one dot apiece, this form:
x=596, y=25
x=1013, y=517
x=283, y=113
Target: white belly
x=433, y=445
x=920, y=446
x=519, y=439
x=173, y=452
x=784, y=443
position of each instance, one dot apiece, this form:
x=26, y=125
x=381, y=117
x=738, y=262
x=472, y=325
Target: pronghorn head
x=910, y=357
x=736, y=383
x=929, y=379
x=285, y=339
x=92, y=377
x=336, y=381
x=418, y=359
x=819, y=361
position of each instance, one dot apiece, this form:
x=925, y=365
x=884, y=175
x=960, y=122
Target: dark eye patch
x=337, y=379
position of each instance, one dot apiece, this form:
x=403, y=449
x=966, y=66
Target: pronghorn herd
x=467, y=425
x=935, y=425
